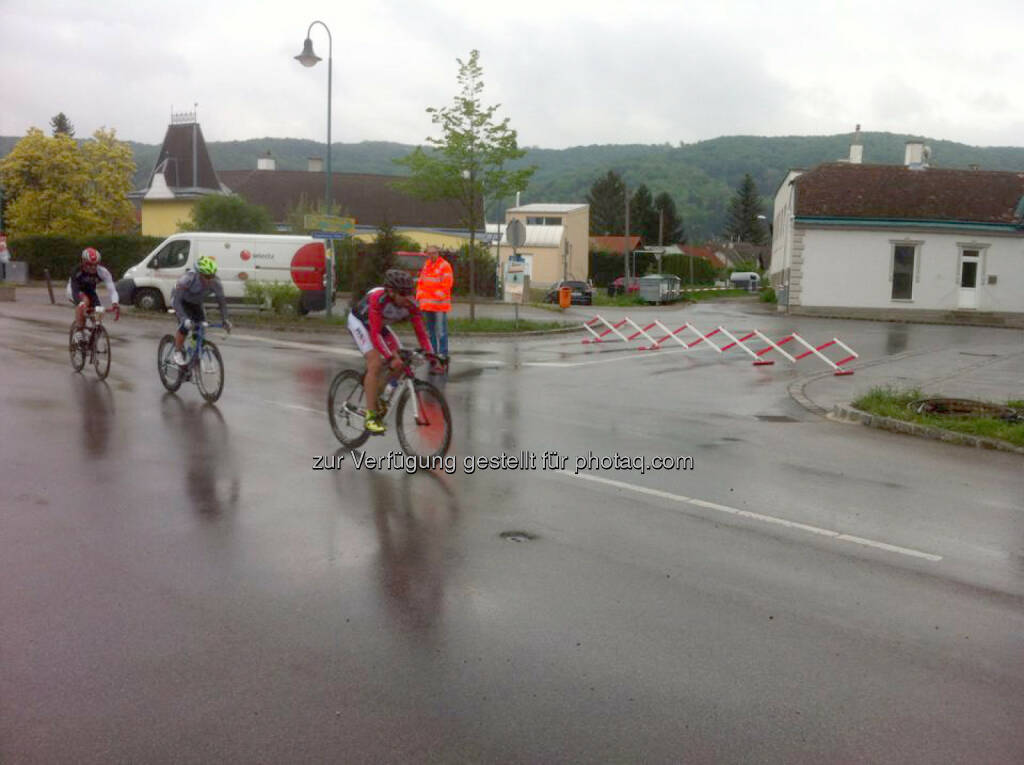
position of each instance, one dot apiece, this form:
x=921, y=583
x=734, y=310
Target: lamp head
x=308, y=57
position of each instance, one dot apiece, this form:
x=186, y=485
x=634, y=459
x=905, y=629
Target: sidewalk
x=984, y=373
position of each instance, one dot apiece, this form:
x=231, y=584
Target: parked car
x=619, y=287
x=582, y=293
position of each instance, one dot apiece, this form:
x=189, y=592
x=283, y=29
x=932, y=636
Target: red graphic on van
x=308, y=266
x=245, y=254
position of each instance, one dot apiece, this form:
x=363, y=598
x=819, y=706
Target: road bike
x=203, y=363
x=423, y=420
x=90, y=344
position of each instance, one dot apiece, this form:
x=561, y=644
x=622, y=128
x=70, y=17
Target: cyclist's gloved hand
x=187, y=324
x=117, y=311
x=436, y=365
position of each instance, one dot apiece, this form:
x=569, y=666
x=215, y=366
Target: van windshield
x=172, y=255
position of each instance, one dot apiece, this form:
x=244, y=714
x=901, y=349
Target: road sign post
x=329, y=227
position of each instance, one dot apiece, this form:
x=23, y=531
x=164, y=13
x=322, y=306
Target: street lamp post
x=308, y=58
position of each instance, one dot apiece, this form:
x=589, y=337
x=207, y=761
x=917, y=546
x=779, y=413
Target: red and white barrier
x=682, y=335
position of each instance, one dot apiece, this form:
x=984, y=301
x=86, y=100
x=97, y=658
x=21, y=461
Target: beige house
x=556, y=247
x=182, y=175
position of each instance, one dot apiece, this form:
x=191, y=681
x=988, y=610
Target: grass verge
x=339, y=319
x=894, y=403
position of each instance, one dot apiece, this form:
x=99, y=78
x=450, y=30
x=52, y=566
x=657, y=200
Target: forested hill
x=701, y=177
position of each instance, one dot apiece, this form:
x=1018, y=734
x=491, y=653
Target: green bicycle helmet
x=206, y=266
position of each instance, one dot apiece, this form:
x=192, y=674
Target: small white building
x=556, y=247
x=900, y=242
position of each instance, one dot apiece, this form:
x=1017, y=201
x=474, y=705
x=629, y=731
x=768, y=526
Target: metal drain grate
x=517, y=536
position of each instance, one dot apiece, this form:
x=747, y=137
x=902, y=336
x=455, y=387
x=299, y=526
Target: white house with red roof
x=907, y=241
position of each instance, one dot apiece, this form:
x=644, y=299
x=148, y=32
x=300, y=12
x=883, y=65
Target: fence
x=688, y=337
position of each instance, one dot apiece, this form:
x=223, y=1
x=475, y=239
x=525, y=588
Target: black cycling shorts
x=193, y=311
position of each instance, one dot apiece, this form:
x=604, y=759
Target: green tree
x=743, y=225
x=643, y=218
x=58, y=186
x=669, y=223
x=62, y=125
x=607, y=200
x=467, y=163
x=372, y=265
x=228, y=212
x=111, y=168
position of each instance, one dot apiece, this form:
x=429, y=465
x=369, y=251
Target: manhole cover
x=963, y=407
x=517, y=536
x=776, y=418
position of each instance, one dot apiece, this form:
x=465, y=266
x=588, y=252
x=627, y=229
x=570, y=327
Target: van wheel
x=149, y=300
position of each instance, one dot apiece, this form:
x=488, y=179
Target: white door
x=970, y=264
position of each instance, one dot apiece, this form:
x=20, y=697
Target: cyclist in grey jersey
x=187, y=301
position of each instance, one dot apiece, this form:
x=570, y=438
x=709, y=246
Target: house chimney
x=316, y=164
x=266, y=162
x=917, y=155
x=856, y=150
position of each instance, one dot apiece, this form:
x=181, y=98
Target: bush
x=768, y=295
x=279, y=297
x=62, y=254
x=703, y=271
x=484, y=270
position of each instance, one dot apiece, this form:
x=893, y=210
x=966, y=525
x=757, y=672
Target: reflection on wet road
x=182, y=583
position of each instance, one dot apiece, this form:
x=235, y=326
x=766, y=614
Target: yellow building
x=557, y=242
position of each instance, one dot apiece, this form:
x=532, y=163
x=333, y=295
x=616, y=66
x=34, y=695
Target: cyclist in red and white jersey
x=368, y=322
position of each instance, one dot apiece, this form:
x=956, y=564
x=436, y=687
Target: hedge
x=62, y=254
x=605, y=267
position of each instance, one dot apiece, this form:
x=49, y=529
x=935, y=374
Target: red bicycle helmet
x=91, y=256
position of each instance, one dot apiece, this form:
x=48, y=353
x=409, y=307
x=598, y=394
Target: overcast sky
x=566, y=72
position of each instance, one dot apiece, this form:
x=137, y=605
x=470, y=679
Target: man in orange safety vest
x=434, y=296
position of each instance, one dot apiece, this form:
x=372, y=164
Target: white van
x=240, y=258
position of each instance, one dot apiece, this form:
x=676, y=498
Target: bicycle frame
x=92, y=320
x=198, y=331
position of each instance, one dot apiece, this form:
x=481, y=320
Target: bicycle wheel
x=209, y=371
x=346, y=408
x=101, y=352
x=76, y=351
x=170, y=373
x=431, y=433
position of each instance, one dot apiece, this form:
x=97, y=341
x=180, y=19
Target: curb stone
x=845, y=413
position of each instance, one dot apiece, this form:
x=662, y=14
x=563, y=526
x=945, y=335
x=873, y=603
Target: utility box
x=660, y=288
x=16, y=272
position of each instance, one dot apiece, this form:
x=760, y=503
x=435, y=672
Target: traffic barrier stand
x=706, y=338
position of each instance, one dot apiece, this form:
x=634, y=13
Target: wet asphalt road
x=177, y=583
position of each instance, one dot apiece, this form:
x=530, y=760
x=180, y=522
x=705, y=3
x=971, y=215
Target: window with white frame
x=903, y=270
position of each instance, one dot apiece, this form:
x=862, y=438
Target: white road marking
x=636, y=356
x=295, y=406
x=836, y=535
x=301, y=346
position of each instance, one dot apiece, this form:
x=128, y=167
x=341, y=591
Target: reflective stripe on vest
x=431, y=292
